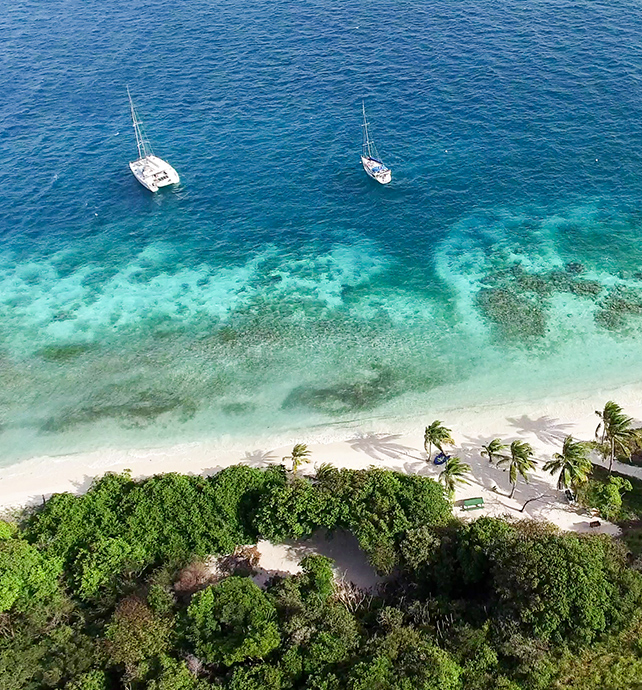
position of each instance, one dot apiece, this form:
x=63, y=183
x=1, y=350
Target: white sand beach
x=395, y=445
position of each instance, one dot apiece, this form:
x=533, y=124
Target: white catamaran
x=370, y=160
x=152, y=172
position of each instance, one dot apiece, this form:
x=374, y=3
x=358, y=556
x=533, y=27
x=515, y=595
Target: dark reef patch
x=619, y=304
x=353, y=396
x=65, y=353
x=515, y=316
x=138, y=410
x=238, y=408
x=515, y=301
x=528, y=282
x=574, y=268
x=585, y=288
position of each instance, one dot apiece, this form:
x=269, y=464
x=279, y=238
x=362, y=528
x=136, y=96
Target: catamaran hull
x=376, y=170
x=153, y=173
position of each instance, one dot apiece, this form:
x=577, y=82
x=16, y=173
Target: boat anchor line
x=370, y=159
x=150, y=170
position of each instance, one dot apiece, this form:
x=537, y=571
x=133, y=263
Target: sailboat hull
x=376, y=170
x=153, y=172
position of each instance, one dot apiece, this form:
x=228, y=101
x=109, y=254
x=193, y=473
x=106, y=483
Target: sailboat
x=370, y=160
x=150, y=170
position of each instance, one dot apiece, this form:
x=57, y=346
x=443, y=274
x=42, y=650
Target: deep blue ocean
x=278, y=290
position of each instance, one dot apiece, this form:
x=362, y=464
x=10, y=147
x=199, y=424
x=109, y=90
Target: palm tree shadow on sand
x=546, y=429
x=381, y=446
x=259, y=458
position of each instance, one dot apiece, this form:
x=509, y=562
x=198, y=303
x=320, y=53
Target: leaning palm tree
x=616, y=432
x=493, y=450
x=519, y=462
x=572, y=464
x=454, y=473
x=436, y=435
x=299, y=455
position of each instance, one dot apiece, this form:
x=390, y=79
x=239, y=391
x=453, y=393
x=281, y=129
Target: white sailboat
x=150, y=170
x=370, y=160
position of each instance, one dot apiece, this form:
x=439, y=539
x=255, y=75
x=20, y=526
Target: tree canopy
x=116, y=589
x=232, y=621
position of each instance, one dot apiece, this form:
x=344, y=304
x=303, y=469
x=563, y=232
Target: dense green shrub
x=405, y=660
x=232, y=621
x=26, y=576
x=606, y=496
x=135, y=635
x=563, y=586
x=93, y=680
x=120, y=525
x=293, y=511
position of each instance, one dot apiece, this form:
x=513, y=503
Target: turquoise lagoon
x=278, y=291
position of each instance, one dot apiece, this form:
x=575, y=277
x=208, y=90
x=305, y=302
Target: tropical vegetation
x=493, y=450
x=615, y=433
x=454, y=473
x=520, y=462
x=113, y=589
x=437, y=435
x=572, y=464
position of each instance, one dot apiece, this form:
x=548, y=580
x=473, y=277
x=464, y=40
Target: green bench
x=473, y=503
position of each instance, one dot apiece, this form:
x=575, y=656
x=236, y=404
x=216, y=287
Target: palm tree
x=299, y=455
x=617, y=432
x=436, y=434
x=520, y=462
x=493, y=449
x=572, y=463
x=453, y=473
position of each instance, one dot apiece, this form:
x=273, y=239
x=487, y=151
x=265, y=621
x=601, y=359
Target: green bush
x=405, y=660
x=120, y=525
x=93, y=680
x=135, y=635
x=606, y=497
x=7, y=530
x=564, y=587
x=232, y=621
x=27, y=577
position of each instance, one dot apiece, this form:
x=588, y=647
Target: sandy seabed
x=544, y=424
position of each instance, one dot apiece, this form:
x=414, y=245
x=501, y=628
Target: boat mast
x=366, y=139
x=144, y=147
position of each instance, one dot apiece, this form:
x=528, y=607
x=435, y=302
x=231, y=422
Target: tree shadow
x=209, y=471
x=350, y=562
x=82, y=486
x=259, y=458
x=472, y=447
x=420, y=467
x=381, y=446
x=546, y=429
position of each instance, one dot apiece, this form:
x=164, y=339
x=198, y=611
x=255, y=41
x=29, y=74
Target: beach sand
x=396, y=445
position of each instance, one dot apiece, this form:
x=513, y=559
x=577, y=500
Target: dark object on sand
x=441, y=459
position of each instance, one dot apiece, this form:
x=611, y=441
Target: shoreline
x=388, y=444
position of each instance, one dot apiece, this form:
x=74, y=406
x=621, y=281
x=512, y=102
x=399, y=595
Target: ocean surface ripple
x=278, y=290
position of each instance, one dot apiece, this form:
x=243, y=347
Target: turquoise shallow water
x=279, y=288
